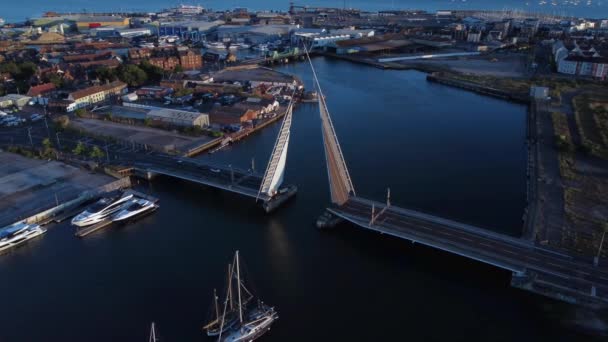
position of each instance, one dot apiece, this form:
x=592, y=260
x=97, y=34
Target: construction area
x=31, y=186
x=139, y=136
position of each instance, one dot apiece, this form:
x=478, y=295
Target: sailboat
x=153, y=337
x=252, y=322
x=219, y=322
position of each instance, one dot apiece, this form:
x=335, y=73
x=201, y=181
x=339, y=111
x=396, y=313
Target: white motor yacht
x=261, y=47
x=101, y=210
x=134, y=208
x=18, y=234
x=215, y=45
x=239, y=46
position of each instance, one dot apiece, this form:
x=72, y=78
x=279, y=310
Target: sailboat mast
x=152, y=333
x=238, y=281
x=230, y=287
x=217, y=307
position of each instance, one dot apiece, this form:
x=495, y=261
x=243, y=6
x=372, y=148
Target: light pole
x=58, y=142
x=29, y=134
x=107, y=154
x=596, y=259
x=48, y=132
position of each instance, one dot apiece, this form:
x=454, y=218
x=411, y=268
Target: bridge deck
x=235, y=180
x=574, y=275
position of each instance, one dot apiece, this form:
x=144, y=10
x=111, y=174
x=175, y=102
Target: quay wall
x=54, y=211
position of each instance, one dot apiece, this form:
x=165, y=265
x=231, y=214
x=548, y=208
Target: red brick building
x=169, y=58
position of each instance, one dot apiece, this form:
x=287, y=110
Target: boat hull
x=21, y=239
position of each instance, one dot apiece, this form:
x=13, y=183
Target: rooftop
x=174, y=114
x=96, y=89
x=41, y=89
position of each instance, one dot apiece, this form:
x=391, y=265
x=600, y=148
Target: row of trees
x=81, y=150
x=134, y=75
x=21, y=72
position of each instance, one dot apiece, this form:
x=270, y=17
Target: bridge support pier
x=279, y=199
x=328, y=220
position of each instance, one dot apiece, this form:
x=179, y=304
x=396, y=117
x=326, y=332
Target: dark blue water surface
x=439, y=149
x=18, y=11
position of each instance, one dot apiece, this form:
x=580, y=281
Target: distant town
x=119, y=93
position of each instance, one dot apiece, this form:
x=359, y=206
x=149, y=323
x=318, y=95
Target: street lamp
x=29, y=134
x=596, y=259
x=48, y=132
x=58, y=142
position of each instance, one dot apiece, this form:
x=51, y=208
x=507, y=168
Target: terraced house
x=95, y=94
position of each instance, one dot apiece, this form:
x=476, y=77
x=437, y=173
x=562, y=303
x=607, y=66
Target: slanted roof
x=41, y=89
x=96, y=89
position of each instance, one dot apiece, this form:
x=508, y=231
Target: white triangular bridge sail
x=273, y=177
x=340, y=184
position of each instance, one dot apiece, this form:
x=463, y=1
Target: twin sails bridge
x=534, y=268
x=267, y=189
x=575, y=279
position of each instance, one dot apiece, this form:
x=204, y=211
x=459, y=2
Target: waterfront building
x=154, y=92
x=581, y=60
x=95, y=94
x=189, y=59
x=189, y=9
x=14, y=100
x=255, y=34
x=86, y=23
x=169, y=58
x=474, y=37
x=195, y=30
x=225, y=116
x=179, y=117
x=40, y=93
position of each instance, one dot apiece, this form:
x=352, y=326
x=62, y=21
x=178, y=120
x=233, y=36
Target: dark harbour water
x=439, y=149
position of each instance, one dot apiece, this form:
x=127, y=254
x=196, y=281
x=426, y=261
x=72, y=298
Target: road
x=576, y=275
x=225, y=177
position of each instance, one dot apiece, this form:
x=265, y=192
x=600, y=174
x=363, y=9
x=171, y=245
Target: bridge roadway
x=243, y=182
x=564, y=277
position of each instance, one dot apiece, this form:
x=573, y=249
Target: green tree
x=46, y=143
x=97, y=153
x=105, y=74
x=178, y=68
x=47, y=151
x=55, y=79
x=80, y=112
x=27, y=70
x=131, y=74
x=80, y=149
x=154, y=73
x=10, y=67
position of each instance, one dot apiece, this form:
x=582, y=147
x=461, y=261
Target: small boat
x=19, y=233
x=215, y=45
x=261, y=47
x=134, y=208
x=252, y=323
x=101, y=210
x=239, y=46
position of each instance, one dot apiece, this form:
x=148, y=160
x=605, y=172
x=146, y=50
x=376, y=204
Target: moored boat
x=252, y=322
x=17, y=234
x=134, y=208
x=215, y=45
x=101, y=210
